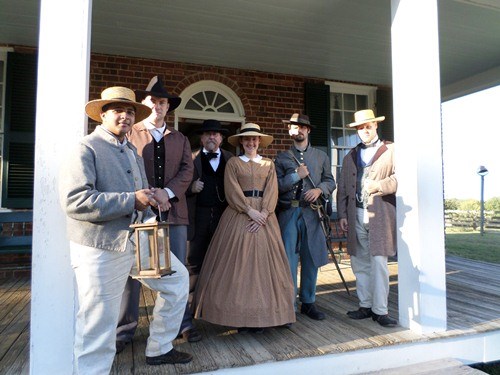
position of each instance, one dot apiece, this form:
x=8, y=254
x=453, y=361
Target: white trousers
x=372, y=272
x=100, y=277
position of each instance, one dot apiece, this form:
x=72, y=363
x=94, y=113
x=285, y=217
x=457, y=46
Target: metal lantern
x=152, y=250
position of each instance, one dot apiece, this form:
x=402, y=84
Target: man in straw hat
x=366, y=204
x=169, y=168
x=103, y=189
x=304, y=176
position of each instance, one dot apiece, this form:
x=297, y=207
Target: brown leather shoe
x=171, y=357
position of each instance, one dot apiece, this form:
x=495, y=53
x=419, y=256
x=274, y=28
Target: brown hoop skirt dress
x=245, y=279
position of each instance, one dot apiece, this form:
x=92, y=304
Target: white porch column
x=63, y=75
x=417, y=129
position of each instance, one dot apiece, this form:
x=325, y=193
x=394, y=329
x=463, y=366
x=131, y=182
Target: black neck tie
x=211, y=155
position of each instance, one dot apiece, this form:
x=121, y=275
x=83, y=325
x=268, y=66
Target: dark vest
x=213, y=189
x=159, y=163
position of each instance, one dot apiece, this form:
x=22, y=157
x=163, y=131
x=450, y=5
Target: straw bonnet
x=251, y=130
x=155, y=88
x=211, y=126
x=299, y=119
x=116, y=94
x=364, y=116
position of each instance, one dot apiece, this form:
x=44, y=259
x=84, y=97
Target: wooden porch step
x=445, y=366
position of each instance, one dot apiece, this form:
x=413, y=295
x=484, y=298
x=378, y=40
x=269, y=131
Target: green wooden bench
x=16, y=232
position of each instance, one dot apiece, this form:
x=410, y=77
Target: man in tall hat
x=103, y=189
x=366, y=204
x=206, y=197
x=304, y=179
x=169, y=168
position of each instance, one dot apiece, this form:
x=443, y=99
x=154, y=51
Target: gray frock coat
x=319, y=168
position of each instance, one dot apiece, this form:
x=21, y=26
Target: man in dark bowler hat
x=169, y=168
x=304, y=176
x=206, y=198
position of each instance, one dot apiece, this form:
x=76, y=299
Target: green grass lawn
x=470, y=244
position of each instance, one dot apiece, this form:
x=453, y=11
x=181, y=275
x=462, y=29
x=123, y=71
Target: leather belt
x=253, y=193
x=297, y=203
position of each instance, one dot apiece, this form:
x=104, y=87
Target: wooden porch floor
x=473, y=307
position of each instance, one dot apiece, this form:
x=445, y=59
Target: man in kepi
x=103, y=189
x=206, y=197
x=304, y=180
x=366, y=204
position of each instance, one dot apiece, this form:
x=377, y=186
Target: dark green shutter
x=19, y=138
x=384, y=108
x=317, y=107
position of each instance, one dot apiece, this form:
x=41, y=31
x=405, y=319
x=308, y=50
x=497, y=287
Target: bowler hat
x=116, y=94
x=299, y=119
x=155, y=88
x=211, y=126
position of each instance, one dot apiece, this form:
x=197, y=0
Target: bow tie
x=211, y=155
x=363, y=145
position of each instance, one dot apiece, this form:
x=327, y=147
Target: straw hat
x=299, y=119
x=156, y=88
x=116, y=94
x=364, y=116
x=251, y=130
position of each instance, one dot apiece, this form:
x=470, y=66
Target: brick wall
x=268, y=98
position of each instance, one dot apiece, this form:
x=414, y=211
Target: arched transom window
x=210, y=99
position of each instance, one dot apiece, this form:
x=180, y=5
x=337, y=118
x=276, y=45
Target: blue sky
x=471, y=137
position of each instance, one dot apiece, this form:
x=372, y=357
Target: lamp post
x=482, y=171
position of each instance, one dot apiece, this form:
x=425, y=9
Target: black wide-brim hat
x=156, y=88
x=299, y=119
x=212, y=126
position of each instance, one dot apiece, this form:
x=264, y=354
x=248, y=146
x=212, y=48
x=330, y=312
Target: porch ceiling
x=332, y=39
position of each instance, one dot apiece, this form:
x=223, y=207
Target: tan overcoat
x=381, y=205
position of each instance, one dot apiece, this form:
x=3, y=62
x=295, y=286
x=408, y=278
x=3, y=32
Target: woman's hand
x=259, y=217
x=253, y=227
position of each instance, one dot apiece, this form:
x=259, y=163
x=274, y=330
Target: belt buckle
x=295, y=203
x=255, y=193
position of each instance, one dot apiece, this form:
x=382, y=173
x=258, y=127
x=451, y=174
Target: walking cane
x=325, y=226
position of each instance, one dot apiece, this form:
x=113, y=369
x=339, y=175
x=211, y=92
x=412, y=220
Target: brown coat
x=381, y=205
x=178, y=170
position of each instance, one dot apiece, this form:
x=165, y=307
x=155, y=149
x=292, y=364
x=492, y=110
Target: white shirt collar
x=216, y=151
x=150, y=127
x=246, y=159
